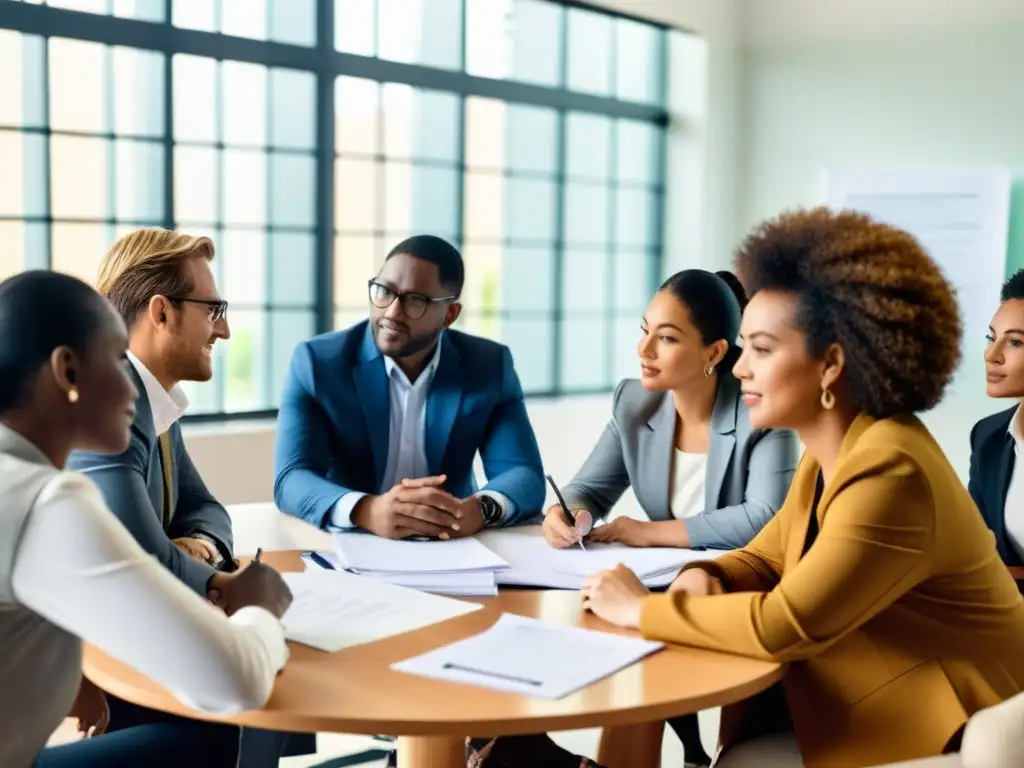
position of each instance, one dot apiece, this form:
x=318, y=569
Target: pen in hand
x=259, y=552
x=565, y=511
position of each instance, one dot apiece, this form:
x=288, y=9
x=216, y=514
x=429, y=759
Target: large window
x=307, y=137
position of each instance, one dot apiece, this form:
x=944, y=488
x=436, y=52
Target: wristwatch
x=490, y=511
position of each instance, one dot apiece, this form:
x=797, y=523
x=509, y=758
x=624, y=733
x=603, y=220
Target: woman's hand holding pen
x=557, y=531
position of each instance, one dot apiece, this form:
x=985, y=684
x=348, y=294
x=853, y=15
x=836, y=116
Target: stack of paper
x=457, y=567
x=534, y=563
x=332, y=610
x=527, y=656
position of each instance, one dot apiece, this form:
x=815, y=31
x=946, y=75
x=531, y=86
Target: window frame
x=326, y=64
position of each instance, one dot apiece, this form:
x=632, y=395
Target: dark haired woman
x=877, y=582
x=69, y=571
x=681, y=436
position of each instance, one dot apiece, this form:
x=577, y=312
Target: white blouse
x=79, y=567
x=686, y=493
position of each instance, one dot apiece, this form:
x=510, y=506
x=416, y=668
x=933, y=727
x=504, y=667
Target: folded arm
x=509, y=451
x=303, y=449
x=121, y=480
x=874, y=546
x=80, y=569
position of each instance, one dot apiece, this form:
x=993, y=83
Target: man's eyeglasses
x=413, y=304
x=217, y=308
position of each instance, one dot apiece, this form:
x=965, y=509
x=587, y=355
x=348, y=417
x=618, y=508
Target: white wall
x=876, y=82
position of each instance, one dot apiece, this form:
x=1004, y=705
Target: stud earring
x=73, y=395
x=709, y=371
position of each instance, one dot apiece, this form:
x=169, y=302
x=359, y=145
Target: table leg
x=631, y=746
x=431, y=752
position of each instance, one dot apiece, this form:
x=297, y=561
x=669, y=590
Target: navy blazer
x=992, y=461
x=132, y=485
x=334, y=422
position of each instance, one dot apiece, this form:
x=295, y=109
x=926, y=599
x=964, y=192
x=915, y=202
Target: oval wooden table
x=355, y=691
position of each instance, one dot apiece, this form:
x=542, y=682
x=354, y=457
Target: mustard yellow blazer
x=899, y=622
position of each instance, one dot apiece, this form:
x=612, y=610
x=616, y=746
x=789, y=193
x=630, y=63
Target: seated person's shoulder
x=633, y=402
x=994, y=426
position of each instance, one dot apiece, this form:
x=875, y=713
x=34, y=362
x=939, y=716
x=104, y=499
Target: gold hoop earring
x=73, y=395
x=709, y=371
x=828, y=400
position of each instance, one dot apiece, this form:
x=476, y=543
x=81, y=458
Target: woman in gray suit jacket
x=681, y=437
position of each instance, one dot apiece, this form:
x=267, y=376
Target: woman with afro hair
x=877, y=583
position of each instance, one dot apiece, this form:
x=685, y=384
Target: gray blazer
x=748, y=470
x=133, y=485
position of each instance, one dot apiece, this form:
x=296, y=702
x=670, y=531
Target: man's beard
x=413, y=345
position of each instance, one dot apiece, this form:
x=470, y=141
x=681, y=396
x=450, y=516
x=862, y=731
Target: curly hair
x=870, y=288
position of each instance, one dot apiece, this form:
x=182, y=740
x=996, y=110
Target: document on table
x=365, y=552
x=332, y=610
x=532, y=561
x=527, y=656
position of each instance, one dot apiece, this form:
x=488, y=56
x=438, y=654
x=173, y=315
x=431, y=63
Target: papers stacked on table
x=457, y=567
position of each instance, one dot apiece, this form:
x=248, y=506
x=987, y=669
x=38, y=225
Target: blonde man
x=162, y=285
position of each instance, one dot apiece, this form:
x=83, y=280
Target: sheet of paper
x=364, y=552
x=332, y=610
x=530, y=557
x=462, y=584
x=527, y=656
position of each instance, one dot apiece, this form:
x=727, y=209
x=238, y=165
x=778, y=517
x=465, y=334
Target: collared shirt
x=1013, y=510
x=167, y=406
x=407, y=450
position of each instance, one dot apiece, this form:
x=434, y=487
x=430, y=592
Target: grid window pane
x=420, y=124
x=530, y=340
x=245, y=103
x=517, y=40
x=420, y=199
x=584, y=352
x=589, y=140
x=138, y=92
x=22, y=246
x=429, y=32
x=21, y=87
x=287, y=328
x=485, y=133
x=635, y=217
x=636, y=151
x=590, y=52
x=292, y=111
x=245, y=363
x=533, y=138
x=627, y=338
x=292, y=268
x=78, y=86
x=195, y=14
x=527, y=279
x=22, y=181
x=244, y=18
x=484, y=207
x=78, y=248
x=245, y=187
x=637, y=61
x=196, y=184
x=139, y=181
x=356, y=260
x=531, y=209
x=80, y=178
x=356, y=115
x=243, y=264
x=355, y=26
x=293, y=21
x=195, y=98
x=586, y=214
x=356, y=195
x=585, y=282
x=635, y=283
x=292, y=180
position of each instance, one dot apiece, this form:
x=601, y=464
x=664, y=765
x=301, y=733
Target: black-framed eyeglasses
x=218, y=308
x=413, y=304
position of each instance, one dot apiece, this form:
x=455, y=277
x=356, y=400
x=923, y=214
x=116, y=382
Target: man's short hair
x=438, y=252
x=148, y=263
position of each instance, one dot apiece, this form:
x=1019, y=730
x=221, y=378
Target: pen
x=259, y=552
x=565, y=509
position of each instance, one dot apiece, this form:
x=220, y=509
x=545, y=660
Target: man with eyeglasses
x=379, y=424
x=161, y=284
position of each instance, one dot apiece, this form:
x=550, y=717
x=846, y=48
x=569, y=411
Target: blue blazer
x=334, y=421
x=992, y=461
